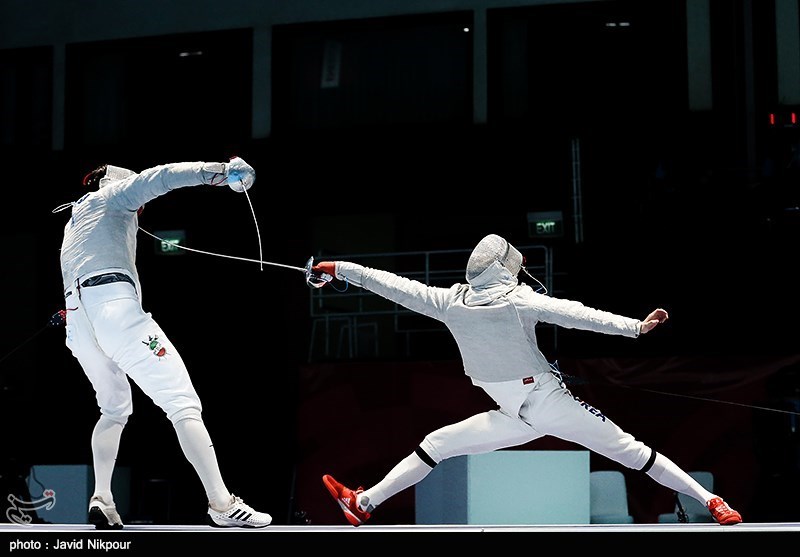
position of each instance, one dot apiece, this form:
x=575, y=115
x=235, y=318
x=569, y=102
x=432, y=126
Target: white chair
x=609, y=498
x=694, y=509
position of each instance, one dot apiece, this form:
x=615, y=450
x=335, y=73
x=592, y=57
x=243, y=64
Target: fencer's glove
x=240, y=175
x=325, y=268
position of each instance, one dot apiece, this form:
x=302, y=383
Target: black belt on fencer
x=105, y=278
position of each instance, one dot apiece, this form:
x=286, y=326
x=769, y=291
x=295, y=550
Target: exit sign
x=168, y=242
x=546, y=224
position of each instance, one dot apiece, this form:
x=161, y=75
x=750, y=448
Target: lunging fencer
x=115, y=340
x=493, y=319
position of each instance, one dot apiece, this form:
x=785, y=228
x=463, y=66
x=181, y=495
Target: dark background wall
x=378, y=129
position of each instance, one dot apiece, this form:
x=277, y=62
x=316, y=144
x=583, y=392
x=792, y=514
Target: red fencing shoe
x=722, y=513
x=346, y=498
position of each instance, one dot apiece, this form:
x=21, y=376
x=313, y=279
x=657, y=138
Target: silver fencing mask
x=493, y=248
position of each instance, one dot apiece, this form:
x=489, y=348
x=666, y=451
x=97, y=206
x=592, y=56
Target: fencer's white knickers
x=114, y=339
x=528, y=411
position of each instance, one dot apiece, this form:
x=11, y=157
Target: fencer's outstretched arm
x=565, y=313
x=131, y=190
x=101, y=234
x=411, y=294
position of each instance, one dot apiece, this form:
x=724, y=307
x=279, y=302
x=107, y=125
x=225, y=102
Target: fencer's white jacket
x=101, y=233
x=492, y=317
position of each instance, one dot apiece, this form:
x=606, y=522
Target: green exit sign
x=546, y=224
x=168, y=242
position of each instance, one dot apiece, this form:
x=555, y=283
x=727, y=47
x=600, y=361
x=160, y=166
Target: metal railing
x=355, y=323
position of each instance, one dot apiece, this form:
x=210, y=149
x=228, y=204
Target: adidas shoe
x=237, y=515
x=346, y=498
x=722, y=513
x=104, y=516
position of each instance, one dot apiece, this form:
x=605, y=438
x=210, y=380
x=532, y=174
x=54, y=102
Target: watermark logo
x=19, y=509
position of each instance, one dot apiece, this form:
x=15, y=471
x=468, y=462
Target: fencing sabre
x=313, y=279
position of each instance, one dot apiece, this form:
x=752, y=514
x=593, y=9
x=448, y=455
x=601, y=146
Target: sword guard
x=313, y=279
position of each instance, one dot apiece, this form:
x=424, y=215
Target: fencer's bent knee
x=425, y=457
x=121, y=420
x=186, y=414
x=650, y=461
x=428, y=453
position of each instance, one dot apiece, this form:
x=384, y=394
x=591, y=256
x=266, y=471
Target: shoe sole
x=100, y=520
x=211, y=522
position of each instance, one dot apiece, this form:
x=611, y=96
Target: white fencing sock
x=105, y=446
x=669, y=474
x=199, y=450
x=409, y=471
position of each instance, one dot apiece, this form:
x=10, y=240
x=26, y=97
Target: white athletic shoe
x=104, y=516
x=238, y=515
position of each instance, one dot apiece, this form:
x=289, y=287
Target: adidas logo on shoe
x=238, y=515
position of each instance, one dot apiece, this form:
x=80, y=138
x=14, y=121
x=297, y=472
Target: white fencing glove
x=240, y=175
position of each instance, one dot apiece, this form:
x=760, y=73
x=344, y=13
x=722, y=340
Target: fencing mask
x=490, y=249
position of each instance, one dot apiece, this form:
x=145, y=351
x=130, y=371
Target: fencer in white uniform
x=493, y=319
x=115, y=340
